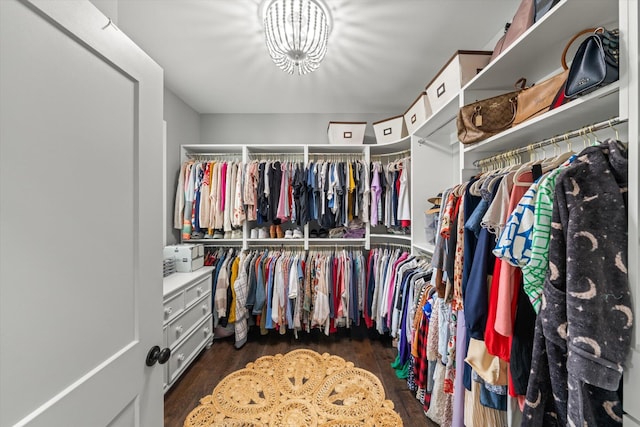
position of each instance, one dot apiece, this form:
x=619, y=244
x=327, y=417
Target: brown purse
x=485, y=118
x=537, y=99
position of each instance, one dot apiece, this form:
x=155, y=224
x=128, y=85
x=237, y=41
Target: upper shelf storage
x=597, y=106
x=537, y=52
x=441, y=124
x=399, y=146
x=336, y=148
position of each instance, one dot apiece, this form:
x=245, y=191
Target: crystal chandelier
x=296, y=32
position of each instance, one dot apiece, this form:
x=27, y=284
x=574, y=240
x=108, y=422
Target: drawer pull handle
x=179, y=329
x=168, y=311
x=199, y=290
x=180, y=357
x=206, y=331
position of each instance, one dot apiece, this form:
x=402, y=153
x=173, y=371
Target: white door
x=80, y=220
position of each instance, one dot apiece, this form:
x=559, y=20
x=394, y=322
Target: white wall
x=183, y=127
x=278, y=128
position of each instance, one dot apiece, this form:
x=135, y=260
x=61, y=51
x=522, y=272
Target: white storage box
x=189, y=250
x=188, y=257
x=390, y=130
x=418, y=113
x=460, y=69
x=187, y=265
x=346, y=132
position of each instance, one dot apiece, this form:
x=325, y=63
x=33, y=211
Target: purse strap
x=574, y=38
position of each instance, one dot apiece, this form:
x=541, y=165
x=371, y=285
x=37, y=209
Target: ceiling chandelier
x=296, y=32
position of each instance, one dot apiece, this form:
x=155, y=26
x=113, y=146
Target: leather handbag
x=485, y=118
x=521, y=22
x=542, y=7
x=595, y=63
x=540, y=98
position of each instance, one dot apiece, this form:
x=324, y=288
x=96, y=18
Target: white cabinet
x=188, y=326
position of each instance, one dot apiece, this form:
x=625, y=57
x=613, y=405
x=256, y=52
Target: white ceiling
x=381, y=53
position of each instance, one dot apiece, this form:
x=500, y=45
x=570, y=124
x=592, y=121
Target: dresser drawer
x=173, y=306
x=184, y=353
x=181, y=326
x=195, y=291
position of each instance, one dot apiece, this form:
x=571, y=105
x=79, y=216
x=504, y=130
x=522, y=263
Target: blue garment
x=476, y=292
x=269, y=321
x=252, y=281
x=474, y=221
x=353, y=297
x=371, y=283
x=491, y=399
x=470, y=241
x=260, y=288
x=289, y=302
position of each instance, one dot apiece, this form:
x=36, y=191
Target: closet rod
x=336, y=247
x=335, y=154
x=394, y=245
x=251, y=154
x=196, y=155
x=553, y=140
x=400, y=153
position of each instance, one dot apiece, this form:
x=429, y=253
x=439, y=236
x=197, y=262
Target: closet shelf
x=267, y=149
x=214, y=242
x=595, y=107
x=424, y=247
x=207, y=148
x=398, y=146
x=441, y=124
x=392, y=237
x=329, y=241
x=269, y=241
x=537, y=52
x=336, y=148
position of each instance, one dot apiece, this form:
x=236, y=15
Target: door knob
x=164, y=356
x=158, y=355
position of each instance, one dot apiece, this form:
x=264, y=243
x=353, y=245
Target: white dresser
x=187, y=325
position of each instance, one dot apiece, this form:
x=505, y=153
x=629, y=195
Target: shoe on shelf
x=254, y=233
x=197, y=235
x=218, y=234
x=236, y=234
x=208, y=236
x=272, y=231
x=313, y=234
x=323, y=233
x=279, y=232
x=262, y=233
x=227, y=234
x=288, y=234
x=297, y=234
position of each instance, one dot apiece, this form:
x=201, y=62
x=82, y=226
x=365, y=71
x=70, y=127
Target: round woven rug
x=300, y=388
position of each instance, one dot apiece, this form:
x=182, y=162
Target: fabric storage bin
x=390, y=130
x=457, y=72
x=346, y=132
x=418, y=113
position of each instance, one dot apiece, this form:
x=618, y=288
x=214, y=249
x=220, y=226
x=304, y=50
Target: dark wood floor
x=366, y=351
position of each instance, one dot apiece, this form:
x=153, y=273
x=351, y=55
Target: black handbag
x=542, y=7
x=595, y=63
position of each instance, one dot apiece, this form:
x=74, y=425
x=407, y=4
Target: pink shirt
x=508, y=289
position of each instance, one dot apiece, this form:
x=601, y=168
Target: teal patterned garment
x=535, y=269
x=514, y=243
